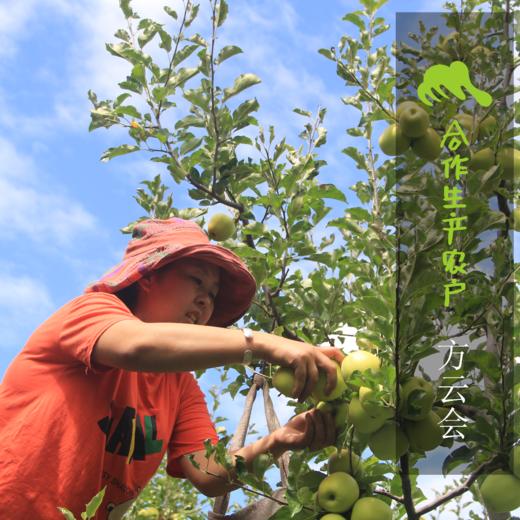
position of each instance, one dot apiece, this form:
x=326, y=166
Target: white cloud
x=33, y=208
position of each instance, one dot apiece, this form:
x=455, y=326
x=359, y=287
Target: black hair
x=128, y=295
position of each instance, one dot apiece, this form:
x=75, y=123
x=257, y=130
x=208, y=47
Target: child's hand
x=313, y=429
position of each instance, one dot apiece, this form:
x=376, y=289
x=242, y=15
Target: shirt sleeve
x=87, y=317
x=192, y=427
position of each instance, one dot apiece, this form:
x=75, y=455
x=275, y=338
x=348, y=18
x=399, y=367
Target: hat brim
x=237, y=285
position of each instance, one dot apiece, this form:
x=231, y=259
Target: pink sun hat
x=156, y=243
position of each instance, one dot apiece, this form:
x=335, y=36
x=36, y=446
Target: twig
x=459, y=490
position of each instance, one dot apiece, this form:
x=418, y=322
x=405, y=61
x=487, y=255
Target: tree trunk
x=266, y=507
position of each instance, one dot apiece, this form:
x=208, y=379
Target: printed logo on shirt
x=133, y=437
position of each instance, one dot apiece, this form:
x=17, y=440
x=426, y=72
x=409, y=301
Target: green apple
x=514, y=461
x=424, y=435
x=405, y=105
x=414, y=121
x=392, y=141
x=148, y=512
x=284, y=381
x=345, y=461
x=514, y=219
x=297, y=203
x=363, y=421
x=341, y=414
x=319, y=390
x=365, y=344
x=371, y=508
x=338, y=492
x=487, y=126
x=466, y=122
x=261, y=463
x=221, y=227
x=428, y=146
x=373, y=407
x=482, y=160
x=359, y=360
x=501, y=491
x=509, y=158
x=332, y=516
x=417, y=398
x=389, y=442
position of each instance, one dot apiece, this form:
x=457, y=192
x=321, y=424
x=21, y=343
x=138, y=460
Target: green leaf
x=228, y=51
x=102, y=117
x=127, y=10
x=184, y=53
x=118, y=150
x=166, y=40
x=138, y=73
x=66, y=513
x=170, y=11
x=149, y=31
x=197, y=97
x=189, y=145
x=327, y=53
x=94, y=504
x=322, y=137
x=241, y=83
x=355, y=19
x=132, y=85
x=244, y=109
x=460, y=456
x=222, y=12
x=190, y=121
x=128, y=110
x=327, y=191
x=192, y=14
x=353, y=152
x=182, y=76
x=122, y=35
x=302, y=112
x=375, y=305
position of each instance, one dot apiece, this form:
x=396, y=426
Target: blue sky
x=61, y=207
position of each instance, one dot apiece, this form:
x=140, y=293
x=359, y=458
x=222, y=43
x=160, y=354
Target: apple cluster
x=388, y=431
x=412, y=129
x=500, y=489
x=339, y=492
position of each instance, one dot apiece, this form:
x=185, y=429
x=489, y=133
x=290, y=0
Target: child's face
x=180, y=293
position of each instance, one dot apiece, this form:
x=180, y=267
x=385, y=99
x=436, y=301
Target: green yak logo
x=453, y=78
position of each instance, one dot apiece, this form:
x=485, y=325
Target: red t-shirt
x=69, y=428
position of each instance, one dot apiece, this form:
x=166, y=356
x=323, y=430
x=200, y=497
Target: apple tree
x=378, y=268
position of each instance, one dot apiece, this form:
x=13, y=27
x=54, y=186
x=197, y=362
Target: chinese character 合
x=456, y=136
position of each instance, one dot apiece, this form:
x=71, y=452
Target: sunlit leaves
x=241, y=83
x=226, y=52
